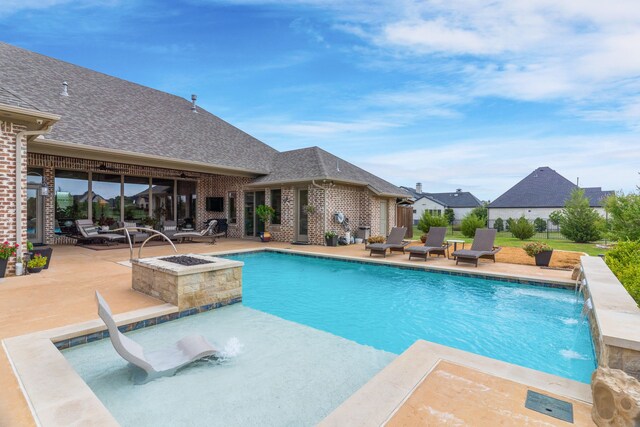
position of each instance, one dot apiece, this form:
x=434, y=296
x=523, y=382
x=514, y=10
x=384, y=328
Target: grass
x=505, y=238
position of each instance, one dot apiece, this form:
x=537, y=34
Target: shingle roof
x=544, y=188
x=456, y=199
x=310, y=163
x=112, y=113
x=9, y=98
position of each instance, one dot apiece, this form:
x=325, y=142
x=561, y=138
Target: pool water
x=389, y=308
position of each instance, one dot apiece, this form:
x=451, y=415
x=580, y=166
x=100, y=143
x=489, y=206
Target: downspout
x=324, y=209
x=19, y=136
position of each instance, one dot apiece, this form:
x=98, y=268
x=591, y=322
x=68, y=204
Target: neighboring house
x=462, y=202
x=540, y=193
x=99, y=133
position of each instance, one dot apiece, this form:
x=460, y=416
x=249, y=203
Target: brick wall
x=8, y=132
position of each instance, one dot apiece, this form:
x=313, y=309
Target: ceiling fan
x=185, y=176
x=104, y=168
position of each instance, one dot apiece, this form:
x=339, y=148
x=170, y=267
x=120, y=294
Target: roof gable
x=544, y=188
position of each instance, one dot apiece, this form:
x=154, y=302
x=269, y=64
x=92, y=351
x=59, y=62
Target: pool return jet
x=154, y=364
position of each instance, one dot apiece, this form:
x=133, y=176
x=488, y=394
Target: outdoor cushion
x=91, y=231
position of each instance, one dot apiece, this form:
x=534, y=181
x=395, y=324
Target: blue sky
x=466, y=94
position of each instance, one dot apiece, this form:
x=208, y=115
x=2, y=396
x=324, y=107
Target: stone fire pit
x=202, y=281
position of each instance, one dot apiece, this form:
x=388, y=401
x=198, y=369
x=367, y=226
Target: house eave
x=321, y=179
x=68, y=149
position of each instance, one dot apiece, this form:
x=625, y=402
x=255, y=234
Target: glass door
x=252, y=225
x=302, y=229
x=34, y=214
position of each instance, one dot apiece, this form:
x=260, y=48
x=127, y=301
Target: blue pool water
x=389, y=308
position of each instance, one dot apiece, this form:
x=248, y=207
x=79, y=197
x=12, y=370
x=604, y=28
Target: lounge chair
x=394, y=243
x=434, y=244
x=158, y=363
x=169, y=229
x=482, y=247
x=89, y=233
x=137, y=236
x=210, y=233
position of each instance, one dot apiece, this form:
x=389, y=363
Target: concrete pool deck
x=64, y=294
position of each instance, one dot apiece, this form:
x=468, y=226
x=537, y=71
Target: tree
x=498, y=224
x=555, y=217
x=470, y=224
x=522, y=229
x=427, y=221
x=509, y=223
x=265, y=214
x=579, y=222
x=481, y=212
x=450, y=215
x=540, y=225
x=624, y=216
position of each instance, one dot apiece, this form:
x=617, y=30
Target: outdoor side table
x=455, y=246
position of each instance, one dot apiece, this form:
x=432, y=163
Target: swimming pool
x=389, y=308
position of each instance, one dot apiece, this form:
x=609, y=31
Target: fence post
x=547, y=229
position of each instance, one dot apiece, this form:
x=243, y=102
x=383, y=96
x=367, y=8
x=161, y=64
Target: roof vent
x=337, y=165
x=193, y=103
x=419, y=187
x=65, y=89
x=458, y=190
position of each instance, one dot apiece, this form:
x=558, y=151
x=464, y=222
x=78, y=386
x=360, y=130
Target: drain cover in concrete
x=550, y=406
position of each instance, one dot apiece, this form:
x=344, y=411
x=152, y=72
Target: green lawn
x=505, y=238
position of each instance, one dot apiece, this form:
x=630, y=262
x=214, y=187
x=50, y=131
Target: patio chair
x=136, y=235
x=210, y=233
x=482, y=247
x=169, y=229
x=158, y=363
x=434, y=244
x=89, y=233
x=394, y=243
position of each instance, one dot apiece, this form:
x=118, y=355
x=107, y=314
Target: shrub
x=376, y=239
x=624, y=261
x=508, y=224
x=624, y=216
x=427, y=221
x=540, y=225
x=522, y=229
x=7, y=250
x=449, y=215
x=330, y=234
x=481, y=212
x=534, y=248
x=470, y=224
x=498, y=224
x=37, y=261
x=579, y=222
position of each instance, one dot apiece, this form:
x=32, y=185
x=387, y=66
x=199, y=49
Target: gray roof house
x=88, y=124
x=462, y=202
x=540, y=193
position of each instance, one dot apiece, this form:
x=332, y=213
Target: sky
x=464, y=94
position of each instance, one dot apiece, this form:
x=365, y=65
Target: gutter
x=324, y=210
x=19, y=136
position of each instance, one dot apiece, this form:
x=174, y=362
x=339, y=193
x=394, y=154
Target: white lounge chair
x=208, y=233
x=158, y=363
x=89, y=233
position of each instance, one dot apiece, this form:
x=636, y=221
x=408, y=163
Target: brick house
x=95, y=146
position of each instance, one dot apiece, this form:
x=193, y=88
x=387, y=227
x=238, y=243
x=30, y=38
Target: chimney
x=193, y=103
x=458, y=190
x=65, y=89
x=419, y=187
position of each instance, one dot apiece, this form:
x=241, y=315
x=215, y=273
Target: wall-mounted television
x=215, y=204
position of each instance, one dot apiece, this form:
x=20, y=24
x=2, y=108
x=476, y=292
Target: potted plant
x=7, y=250
x=36, y=264
x=45, y=251
x=541, y=251
x=106, y=223
x=423, y=238
x=265, y=214
x=19, y=266
x=331, y=238
x=150, y=222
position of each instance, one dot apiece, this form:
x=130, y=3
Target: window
x=34, y=176
x=435, y=212
x=187, y=202
x=162, y=200
x=136, y=198
x=276, y=204
x=105, y=198
x=72, y=194
x=233, y=218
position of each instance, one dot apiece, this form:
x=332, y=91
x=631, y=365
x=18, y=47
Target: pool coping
x=40, y=368
x=378, y=400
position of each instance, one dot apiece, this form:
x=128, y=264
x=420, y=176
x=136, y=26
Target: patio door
x=252, y=225
x=302, y=215
x=34, y=214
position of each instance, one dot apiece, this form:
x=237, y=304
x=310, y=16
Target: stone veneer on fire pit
x=218, y=281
